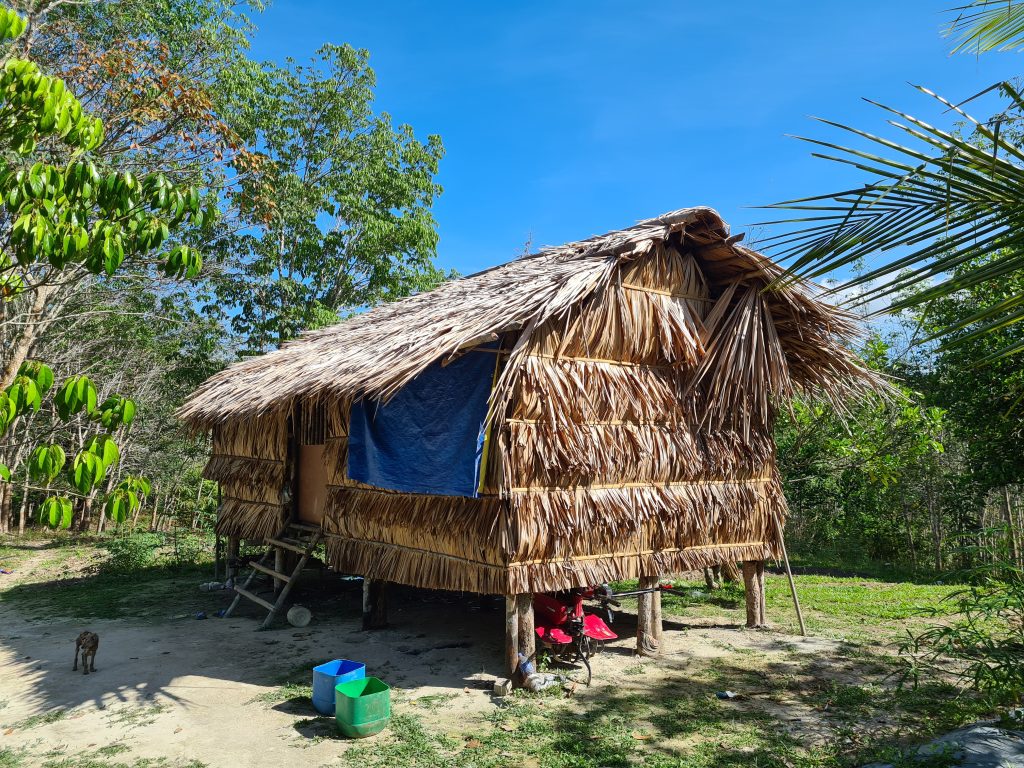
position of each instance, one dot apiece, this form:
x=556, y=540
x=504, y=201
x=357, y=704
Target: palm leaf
x=988, y=25
x=936, y=204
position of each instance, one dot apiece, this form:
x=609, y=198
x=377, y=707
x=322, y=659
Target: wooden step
x=255, y=598
x=286, y=545
x=304, y=527
x=271, y=572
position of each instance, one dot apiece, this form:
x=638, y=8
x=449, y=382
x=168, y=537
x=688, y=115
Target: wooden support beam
x=520, y=637
x=753, y=588
x=760, y=590
x=511, y=637
x=279, y=566
x=375, y=604
x=789, y=575
x=656, y=625
x=527, y=637
x=648, y=618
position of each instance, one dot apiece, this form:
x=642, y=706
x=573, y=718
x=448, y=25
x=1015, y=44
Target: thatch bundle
x=637, y=378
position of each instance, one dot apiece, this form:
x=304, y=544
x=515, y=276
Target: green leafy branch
x=99, y=455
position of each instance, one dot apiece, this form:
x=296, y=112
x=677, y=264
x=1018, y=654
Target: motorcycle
x=567, y=631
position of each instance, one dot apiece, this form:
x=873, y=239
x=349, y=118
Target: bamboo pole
x=789, y=574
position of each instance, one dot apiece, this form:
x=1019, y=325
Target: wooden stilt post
x=375, y=604
x=763, y=607
x=648, y=618
x=526, y=638
x=753, y=588
x=279, y=566
x=656, y=614
x=232, y=558
x=789, y=575
x=511, y=637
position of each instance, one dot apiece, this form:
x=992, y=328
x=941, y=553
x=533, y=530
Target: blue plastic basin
x=329, y=675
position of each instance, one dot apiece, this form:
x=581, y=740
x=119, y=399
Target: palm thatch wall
x=630, y=423
x=248, y=458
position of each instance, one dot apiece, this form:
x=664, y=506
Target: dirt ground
x=183, y=691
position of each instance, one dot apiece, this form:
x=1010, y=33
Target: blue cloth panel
x=429, y=437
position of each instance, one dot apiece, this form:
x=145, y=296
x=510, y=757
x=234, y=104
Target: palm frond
x=988, y=25
x=936, y=203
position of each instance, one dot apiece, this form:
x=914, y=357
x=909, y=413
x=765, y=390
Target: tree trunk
x=5, y=507
x=23, y=508
x=18, y=352
x=1011, y=531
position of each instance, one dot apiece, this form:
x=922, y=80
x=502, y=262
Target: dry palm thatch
x=248, y=460
x=630, y=422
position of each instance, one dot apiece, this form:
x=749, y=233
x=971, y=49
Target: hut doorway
x=310, y=467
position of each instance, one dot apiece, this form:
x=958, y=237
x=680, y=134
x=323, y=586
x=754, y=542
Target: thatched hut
x=597, y=411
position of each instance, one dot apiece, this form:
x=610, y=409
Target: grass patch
x=157, y=592
x=12, y=758
x=296, y=686
x=135, y=717
x=101, y=759
x=847, y=608
x=43, y=718
x=112, y=749
x=434, y=700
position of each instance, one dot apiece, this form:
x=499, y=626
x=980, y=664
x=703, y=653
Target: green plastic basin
x=362, y=707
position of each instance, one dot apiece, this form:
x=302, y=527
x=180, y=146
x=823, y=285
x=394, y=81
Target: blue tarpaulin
x=429, y=437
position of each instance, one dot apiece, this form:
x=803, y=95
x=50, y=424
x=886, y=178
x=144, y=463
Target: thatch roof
x=377, y=352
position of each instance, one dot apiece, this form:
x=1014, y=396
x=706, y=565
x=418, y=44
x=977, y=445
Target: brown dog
x=87, y=643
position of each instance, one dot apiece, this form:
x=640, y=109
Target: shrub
x=982, y=648
x=189, y=549
x=131, y=552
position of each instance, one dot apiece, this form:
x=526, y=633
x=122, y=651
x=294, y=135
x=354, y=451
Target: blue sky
x=566, y=119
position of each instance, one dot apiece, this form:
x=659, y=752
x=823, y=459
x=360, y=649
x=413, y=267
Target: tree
x=146, y=71
x=336, y=207
x=939, y=201
x=862, y=485
x=69, y=218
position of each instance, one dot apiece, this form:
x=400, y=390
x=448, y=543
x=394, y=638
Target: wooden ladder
x=301, y=538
